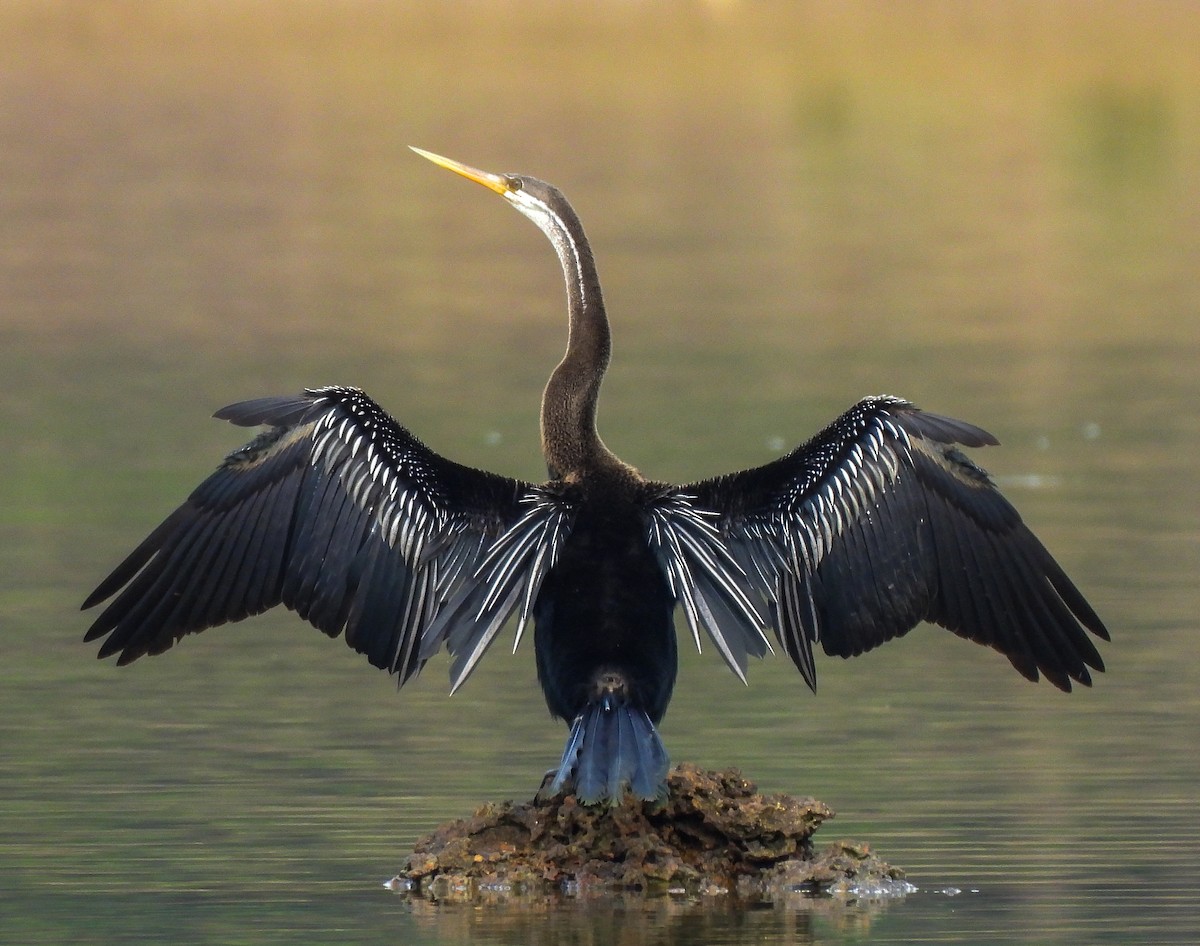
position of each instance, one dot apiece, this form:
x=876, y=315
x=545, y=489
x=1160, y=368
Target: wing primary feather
x=140, y=611
x=252, y=516
x=257, y=586
x=133, y=563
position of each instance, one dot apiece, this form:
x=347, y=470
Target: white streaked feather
x=463, y=666
x=511, y=572
x=695, y=556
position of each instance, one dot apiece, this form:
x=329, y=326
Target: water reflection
x=626, y=919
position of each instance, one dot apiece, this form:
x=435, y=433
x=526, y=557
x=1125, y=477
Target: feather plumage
x=342, y=515
x=881, y=522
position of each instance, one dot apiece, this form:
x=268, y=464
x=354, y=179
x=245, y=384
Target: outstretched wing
x=881, y=522
x=342, y=515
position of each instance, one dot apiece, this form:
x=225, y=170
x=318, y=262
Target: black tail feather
x=612, y=746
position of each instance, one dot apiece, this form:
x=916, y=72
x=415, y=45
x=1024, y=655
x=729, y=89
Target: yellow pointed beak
x=494, y=182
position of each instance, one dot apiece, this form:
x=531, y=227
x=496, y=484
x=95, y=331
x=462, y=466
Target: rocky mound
x=715, y=834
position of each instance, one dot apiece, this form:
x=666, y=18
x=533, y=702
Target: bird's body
x=604, y=631
x=338, y=512
x=605, y=609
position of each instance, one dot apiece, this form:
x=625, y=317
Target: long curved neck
x=570, y=442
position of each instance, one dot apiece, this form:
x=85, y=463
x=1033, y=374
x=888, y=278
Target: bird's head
x=542, y=203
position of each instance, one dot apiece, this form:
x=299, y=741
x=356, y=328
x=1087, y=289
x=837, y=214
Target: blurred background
x=990, y=208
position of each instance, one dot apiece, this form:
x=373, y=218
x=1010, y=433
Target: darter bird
x=336, y=511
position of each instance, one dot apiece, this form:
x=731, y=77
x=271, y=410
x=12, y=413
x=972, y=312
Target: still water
x=993, y=210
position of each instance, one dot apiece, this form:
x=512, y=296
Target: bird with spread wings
x=336, y=511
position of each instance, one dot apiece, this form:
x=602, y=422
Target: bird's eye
x=514, y=182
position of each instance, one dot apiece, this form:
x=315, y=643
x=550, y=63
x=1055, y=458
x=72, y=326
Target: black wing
x=342, y=515
x=881, y=522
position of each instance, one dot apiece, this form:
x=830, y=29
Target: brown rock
x=714, y=834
